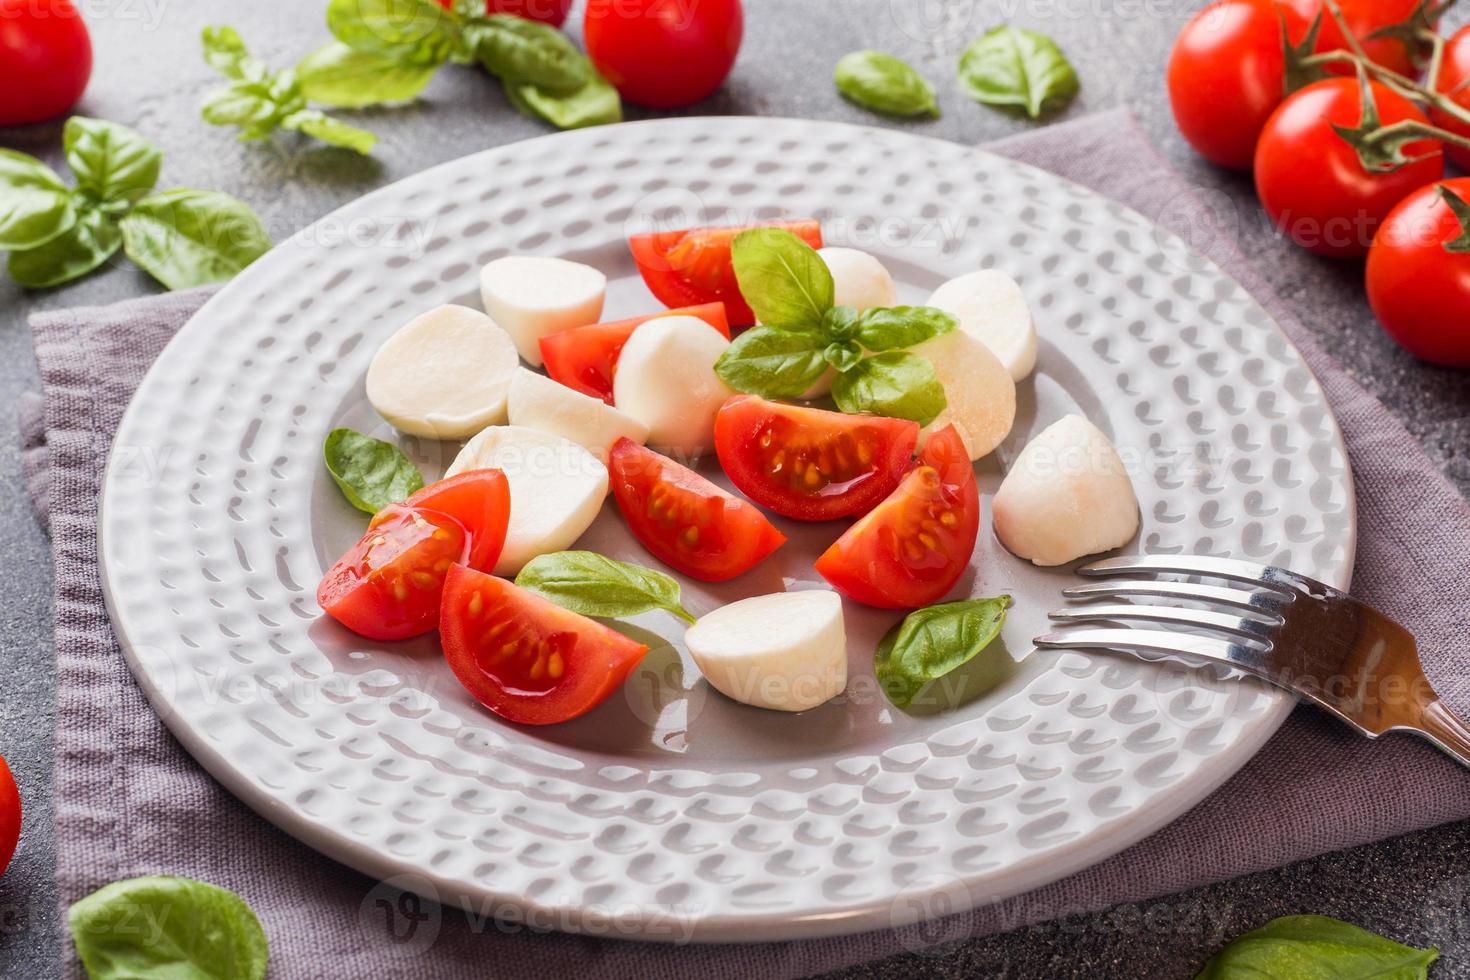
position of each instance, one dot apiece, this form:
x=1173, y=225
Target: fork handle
x=1445, y=729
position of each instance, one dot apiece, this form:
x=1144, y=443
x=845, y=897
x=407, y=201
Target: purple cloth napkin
x=130, y=801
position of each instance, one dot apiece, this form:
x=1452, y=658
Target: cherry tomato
x=9, y=816
x=663, y=54
x=1364, y=18
x=684, y=520
x=692, y=266
x=1454, y=81
x=1419, y=288
x=1310, y=179
x=479, y=501
x=45, y=59
x=553, y=12
x=584, y=358
x=913, y=547
x=387, y=586
x=526, y=659
x=811, y=464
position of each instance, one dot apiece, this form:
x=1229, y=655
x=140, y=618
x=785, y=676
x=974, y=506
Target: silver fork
x=1284, y=628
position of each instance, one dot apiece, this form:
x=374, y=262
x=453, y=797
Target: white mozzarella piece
x=532, y=296
x=666, y=379
x=539, y=403
x=786, y=651
x=1067, y=495
x=860, y=281
x=978, y=390
x=991, y=308
x=445, y=374
x=556, y=488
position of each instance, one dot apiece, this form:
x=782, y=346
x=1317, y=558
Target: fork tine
x=1226, y=568
x=1113, y=588
x=1242, y=625
x=1163, y=642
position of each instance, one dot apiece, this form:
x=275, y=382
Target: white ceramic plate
x=670, y=808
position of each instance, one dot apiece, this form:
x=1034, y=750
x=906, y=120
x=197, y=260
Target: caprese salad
x=819, y=396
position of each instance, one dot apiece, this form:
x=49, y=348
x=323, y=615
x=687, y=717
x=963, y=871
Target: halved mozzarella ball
x=980, y=395
x=445, y=374
x=786, y=651
x=1067, y=495
x=991, y=308
x=556, y=488
x=537, y=402
x=666, y=379
x=535, y=295
x=860, y=281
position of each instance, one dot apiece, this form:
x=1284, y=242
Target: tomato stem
x=1406, y=87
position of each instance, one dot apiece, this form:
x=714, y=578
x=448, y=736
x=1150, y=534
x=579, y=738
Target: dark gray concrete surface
x=149, y=74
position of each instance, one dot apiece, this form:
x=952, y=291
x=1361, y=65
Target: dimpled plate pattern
x=671, y=809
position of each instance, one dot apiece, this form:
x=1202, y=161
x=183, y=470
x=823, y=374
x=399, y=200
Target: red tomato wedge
x=479, y=501
x=808, y=463
x=683, y=268
x=912, y=548
x=584, y=358
x=525, y=658
x=387, y=586
x=684, y=520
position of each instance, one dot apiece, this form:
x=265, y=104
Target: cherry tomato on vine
x=1311, y=180
x=552, y=12
x=1365, y=18
x=9, y=816
x=45, y=59
x=661, y=54
x=1419, y=273
x=1454, y=81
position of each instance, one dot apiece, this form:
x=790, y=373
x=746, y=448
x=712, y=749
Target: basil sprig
x=260, y=101
x=56, y=233
x=371, y=473
x=1317, y=946
x=159, y=926
x=595, y=585
x=885, y=84
x=802, y=334
x=1010, y=66
x=931, y=642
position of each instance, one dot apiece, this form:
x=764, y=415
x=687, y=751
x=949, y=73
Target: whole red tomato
x=553, y=12
x=9, y=816
x=1227, y=75
x=1419, y=274
x=664, y=54
x=1454, y=80
x=1313, y=184
x=1364, y=18
x=45, y=59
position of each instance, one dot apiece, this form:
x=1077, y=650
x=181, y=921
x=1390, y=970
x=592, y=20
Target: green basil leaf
x=595, y=104
x=524, y=51
x=885, y=84
x=1009, y=66
x=843, y=356
x=931, y=642
x=319, y=125
x=773, y=363
x=370, y=472
x=176, y=927
x=417, y=32
x=897, y=327
x=341, y=76
x=111, y=162
x=91, y=241
x=188, y=238
x=35, y=206
x=226, y=54
x=783, y=278
x=1315, y=947
x=249, y=105
x=595, y=585
x=840, y=324
x=895, y=383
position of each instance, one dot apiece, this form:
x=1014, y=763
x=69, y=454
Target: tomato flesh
x=1419, y=291
x=913, y=547
x=811, y=464
x=684, y=520
x=692, y=266
x=387, y=586
x=585, y=358
x=525, y=658
x=45, y=60
x=479, y=501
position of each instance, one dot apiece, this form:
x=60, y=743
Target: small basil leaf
x=248, y=105
x=1009, y=66
x=773, y=363
x=370, y=472
x=225, y=52
x=783, y=278
x=840, y=323
x=895, y=383
x=188, y=238
x=595, y=104
x=594, y=585
x=897, y=327
x=885, y=84
x=931, y=642
x=1315, y=946
x=75, y=252
x=341, y=76
x=319, y=125
x=524, y=51
x=417, y=32
x=176, y=927
x=35, y=206
x=111, y=162
x=842, y=356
